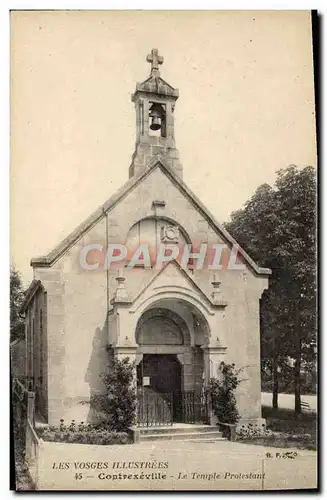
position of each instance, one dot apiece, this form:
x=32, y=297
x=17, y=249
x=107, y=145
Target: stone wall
x=240, y=288
x=77, y=330
x=78, y=302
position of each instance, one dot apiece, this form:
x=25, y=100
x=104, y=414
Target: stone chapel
x=176, y=322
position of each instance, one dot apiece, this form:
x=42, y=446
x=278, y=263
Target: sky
x=245, y=111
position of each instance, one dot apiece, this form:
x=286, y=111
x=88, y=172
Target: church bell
x=156, y=114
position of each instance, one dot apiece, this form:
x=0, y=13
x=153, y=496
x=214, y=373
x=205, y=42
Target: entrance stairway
x=181, y=432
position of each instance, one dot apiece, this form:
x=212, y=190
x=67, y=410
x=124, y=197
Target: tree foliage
x=118, y=400
x=16, y=300
x=223, y=394
x=277, y=227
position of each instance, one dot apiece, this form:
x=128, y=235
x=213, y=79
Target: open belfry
x=177, y=321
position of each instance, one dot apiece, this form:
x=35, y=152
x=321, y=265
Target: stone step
x=192, y=429
x=183, y=436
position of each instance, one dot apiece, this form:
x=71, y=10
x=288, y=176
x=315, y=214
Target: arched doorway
x=159, y=383
x=170, y=372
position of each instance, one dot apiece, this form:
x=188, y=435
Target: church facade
x=141, y=278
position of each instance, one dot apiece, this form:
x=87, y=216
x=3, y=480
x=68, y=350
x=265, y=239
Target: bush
x=83, y=434
x=118, y=401
x=250, y=431
x=222, y=394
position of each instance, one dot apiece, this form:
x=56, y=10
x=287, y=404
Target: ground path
x=177, y=465
x=287, y=400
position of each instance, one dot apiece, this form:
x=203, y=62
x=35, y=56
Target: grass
x=288, y=429
x=288, y=415
x=299, y=431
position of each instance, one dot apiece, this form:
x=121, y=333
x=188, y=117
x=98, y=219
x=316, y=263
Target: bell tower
x=154, y=101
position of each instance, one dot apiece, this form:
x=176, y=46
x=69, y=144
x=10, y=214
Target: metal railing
x=154, y=409
x=191, y=407
x=159, y=409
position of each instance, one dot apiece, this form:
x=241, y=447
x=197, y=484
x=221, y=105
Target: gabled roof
x=156, y=85
x=157, y=161
x=189, y=278
x=30, y=292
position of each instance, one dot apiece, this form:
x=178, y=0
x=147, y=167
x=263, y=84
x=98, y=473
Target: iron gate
x=157, y=408
x=154, y=408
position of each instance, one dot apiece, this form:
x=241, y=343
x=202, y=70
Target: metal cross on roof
x=155, y=60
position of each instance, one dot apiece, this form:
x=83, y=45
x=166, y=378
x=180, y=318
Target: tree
x=17, y=294
x=277, y=227
x=222, y=393
x=118, y=400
